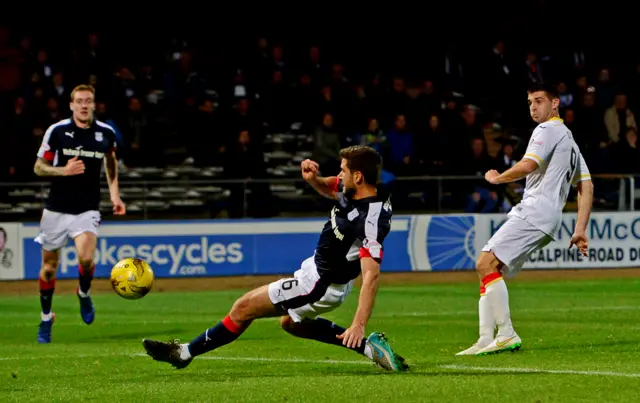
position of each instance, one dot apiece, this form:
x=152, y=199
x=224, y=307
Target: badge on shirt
x=99, y=137
x=353, y=214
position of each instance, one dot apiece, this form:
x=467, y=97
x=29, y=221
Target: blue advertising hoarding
x=278, y=246
x=214, y=248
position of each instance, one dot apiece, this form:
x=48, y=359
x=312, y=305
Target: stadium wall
x=277, y=246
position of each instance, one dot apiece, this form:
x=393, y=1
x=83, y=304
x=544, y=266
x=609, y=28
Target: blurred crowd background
x=194, y=114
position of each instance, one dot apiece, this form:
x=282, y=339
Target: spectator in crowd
x=326, y=146
x=627, y=153
x=373, y=137
x=484, y=198
x=400, y=141
x=590, y=131
x=434, y=150
x=512, y=193
x=619, y=118
x=244, y=162
x=137, y=136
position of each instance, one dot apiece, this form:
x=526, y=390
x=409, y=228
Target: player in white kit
x=552, y=164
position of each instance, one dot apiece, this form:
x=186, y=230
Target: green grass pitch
x=580, y=343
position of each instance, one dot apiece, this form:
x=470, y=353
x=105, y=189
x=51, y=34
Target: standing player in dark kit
x=350, y=244
x=72, y=153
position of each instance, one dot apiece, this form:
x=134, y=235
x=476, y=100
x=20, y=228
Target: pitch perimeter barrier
x=277, y=246
x=197, y=198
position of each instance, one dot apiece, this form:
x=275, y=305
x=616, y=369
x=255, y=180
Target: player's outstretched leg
x=507, y=339
x=47, y=285
x=86, y=247
x=487, y=324
x=376, y=347
x=253, y=305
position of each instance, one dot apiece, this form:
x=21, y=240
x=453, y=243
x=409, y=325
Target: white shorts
x=514, y=242
x=304, y=296
x=57, y=228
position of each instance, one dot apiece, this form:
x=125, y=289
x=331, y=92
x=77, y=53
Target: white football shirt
x=560, y=166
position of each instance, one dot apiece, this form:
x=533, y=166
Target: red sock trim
x=231, y=326
x=491, y=277
x=483, y=290
x=46, y=285
x=83, y=272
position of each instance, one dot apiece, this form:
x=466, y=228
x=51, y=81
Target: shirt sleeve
x=112, y=140
x=376, y=227
x=337, y=187
x=49, y=145
x=582, y=172
x=540, y=146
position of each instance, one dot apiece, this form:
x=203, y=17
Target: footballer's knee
x=85, y=261
x=253, y=305
x=49, y=265
x=298, y=329
x=241, y=309
x=48, y=273
x=85, y=258
x=487, y=263
x=86, y=249
x=288, y=324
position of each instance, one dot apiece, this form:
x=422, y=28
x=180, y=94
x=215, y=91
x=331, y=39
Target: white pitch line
x=208, y=357
x=309, y=361
x=62, y=355
x=528, y=310
x=265, y=359
x=542, y=371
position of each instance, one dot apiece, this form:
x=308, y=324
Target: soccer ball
x=132, y=278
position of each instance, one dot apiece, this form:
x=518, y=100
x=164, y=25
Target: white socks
x=368, y=352
x=84, y=295
x=498, y=298
x=184, y=352
x=46, y=317
x=487, y=321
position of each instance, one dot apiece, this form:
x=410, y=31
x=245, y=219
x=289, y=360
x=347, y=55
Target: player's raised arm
x=538, y=152
x=327, y=187
x=520, y=170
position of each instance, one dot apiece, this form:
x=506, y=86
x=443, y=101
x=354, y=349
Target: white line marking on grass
x=460, y=367
x=62, y=355
x=310, y=361
x=266, y=359
x=207, y=357
x=541, y=371
x=528, y=310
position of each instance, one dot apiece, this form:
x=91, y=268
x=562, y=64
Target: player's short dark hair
x=364, y=159
x=550, y=90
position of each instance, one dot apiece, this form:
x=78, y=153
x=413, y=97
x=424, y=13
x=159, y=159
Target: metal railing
x=625, y=195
